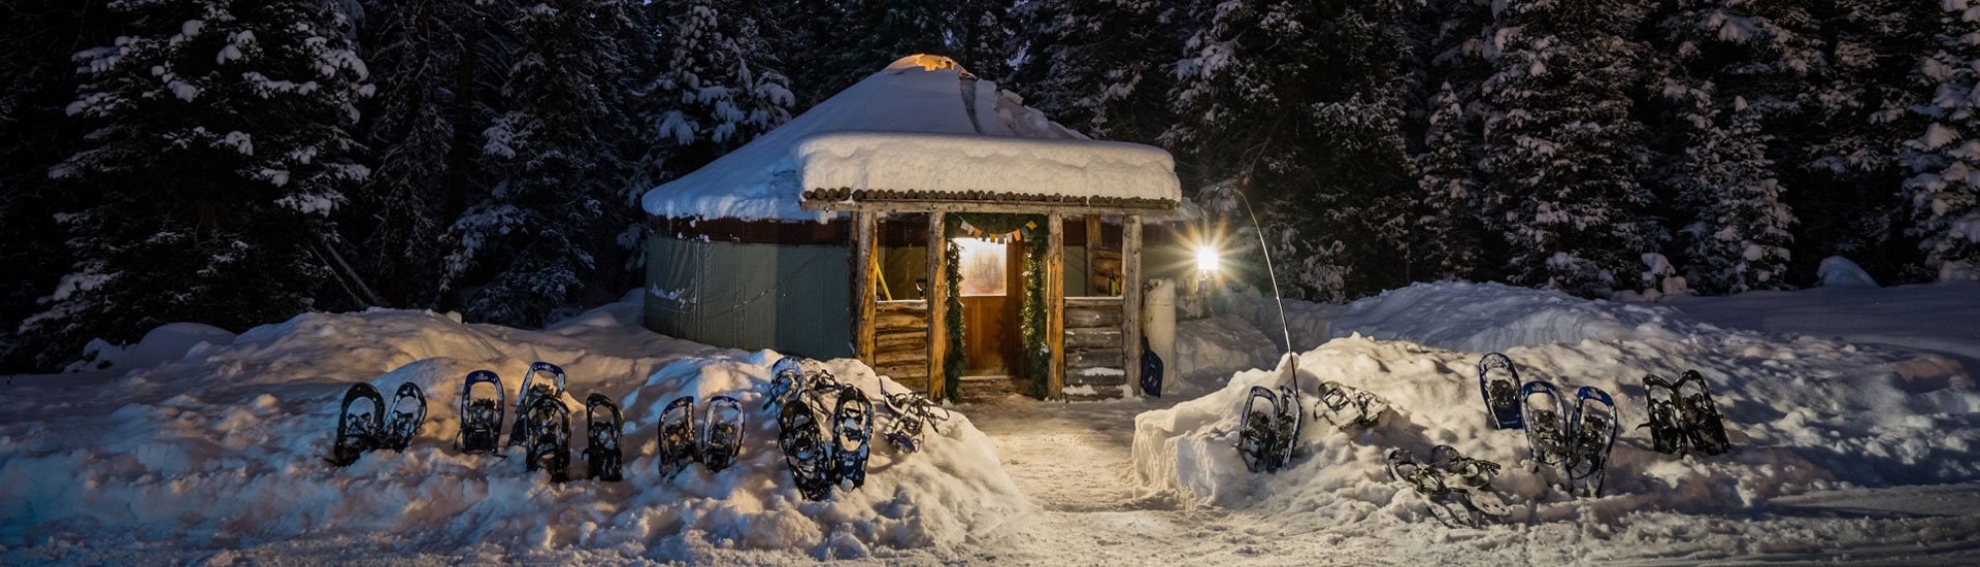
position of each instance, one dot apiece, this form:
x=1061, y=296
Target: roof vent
x=926, y=63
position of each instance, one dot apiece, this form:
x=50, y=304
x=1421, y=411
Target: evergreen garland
x=952, y=365
x=1031, y=322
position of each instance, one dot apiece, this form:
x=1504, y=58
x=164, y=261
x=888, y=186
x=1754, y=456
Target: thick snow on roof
x=921, y=124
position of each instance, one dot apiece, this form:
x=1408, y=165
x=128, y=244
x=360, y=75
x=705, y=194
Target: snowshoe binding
x=913, y=413
x=722, y=433
x=481, y=416
x=360, y=428
x=805, y=450
x=604, y=425
x=1498, y=383
x=677, y=438
x=547, y=428
x=787, y=381
x=531, y=389
x=1594, y=432
x=1704, y=428
x=1667, y=434
x=407, y=414
x=1458, y=488
x=1349, y=408
x=1546, y=423
x=852, y=435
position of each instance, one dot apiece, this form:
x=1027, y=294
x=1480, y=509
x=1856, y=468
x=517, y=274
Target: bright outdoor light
x=1206, y=258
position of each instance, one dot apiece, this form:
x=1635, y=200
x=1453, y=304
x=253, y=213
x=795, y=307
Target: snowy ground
x=1856, y=443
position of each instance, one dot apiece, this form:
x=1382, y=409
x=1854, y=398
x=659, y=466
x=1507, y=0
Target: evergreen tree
x=219, y=150
x=1447, y=232
x=1101, y=66
x=562, y=193
x=1739, y=236
x=1943, y=192
x=720, y=86
x=1300, y=104
x=1566, y=156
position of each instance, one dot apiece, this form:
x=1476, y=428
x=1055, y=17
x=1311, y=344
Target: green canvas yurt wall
x=788, y=297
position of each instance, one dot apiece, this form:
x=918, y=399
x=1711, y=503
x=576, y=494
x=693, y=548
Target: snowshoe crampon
x=1594, y=433
x=481, y=415
x=852, y=435
x=1704, y=428
x=1347, y=407
x=532, y=389
x=1498, y=383
x=407, y=414
x=805, y=450
x=722, y=433
x=547, y=426
x=1667, y=434
x=604, y=424
x=913, y=413
x=1546, y=423
x=360, y=424
x=677, y=438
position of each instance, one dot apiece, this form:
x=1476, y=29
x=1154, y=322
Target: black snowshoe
x=1595, y=429
x=481, y=417
x=360, y=429
x=529, y=391
x=547, y=428
x=677, y=439
x=787, y=381
x=1546, y=423
x=407, y=414
x=852, y=435
x=1347, y=407
x=604, y=425
x=805, y=450
x=1667, y=433
x=1498, y=383
x=1458, y=488
x=722, y=433
x=913, y=414
x=1271, y=430
x=1705, y=429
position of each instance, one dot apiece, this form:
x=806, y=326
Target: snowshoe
x=481, y=417
x=1291, y=416
x=1704, y=428
x=852, y=435
x=547, y=426
x=1546, y=423
x=1594, y=430
x=358, y=429
x=529, y=391
x=1498, y=383
x=912, y=414
x=677, y=438
x=407, y=414
x=1151, y=371
x=787, y=380
x=1258, y=441
x=722, y=435
x=805, y=450
x=604, y=425
x=1347, y=407
x=1458, y=488
x=1667, y=433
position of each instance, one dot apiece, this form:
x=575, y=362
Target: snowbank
x=225, y=451
x=1209, y=350
x=170, y=341
x=1804, y=414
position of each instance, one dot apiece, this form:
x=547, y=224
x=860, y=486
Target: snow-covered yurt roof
x=921, y=129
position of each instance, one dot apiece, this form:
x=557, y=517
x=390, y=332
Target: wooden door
x=990, y=310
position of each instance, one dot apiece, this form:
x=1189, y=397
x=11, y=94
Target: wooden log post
x=865, y=310
x=1131, y=301
x=1055, y=303
x=938, y=307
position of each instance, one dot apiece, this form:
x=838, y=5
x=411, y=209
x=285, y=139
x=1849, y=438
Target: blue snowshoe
x=407, y=414
x=1499, y=385
x=604, y=425
x=547, y=429
x=530, y=390
x=360, y=428
x=481, y=416
x=852, y=435
x=1595, y=429
x=1546, y=423
x=677, y=438
x=722, y=433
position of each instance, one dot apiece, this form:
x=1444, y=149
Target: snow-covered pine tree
x=1103, y=67
x=1943, y=192
x=1565, y=156
x=1299, y=104
x=719, y=87
x=981, y=36
x=1447, y=233
x=1738, y=238
x=220, y=150
x=561, y=192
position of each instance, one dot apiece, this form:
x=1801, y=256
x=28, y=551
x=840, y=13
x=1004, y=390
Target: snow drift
x=227, y=451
